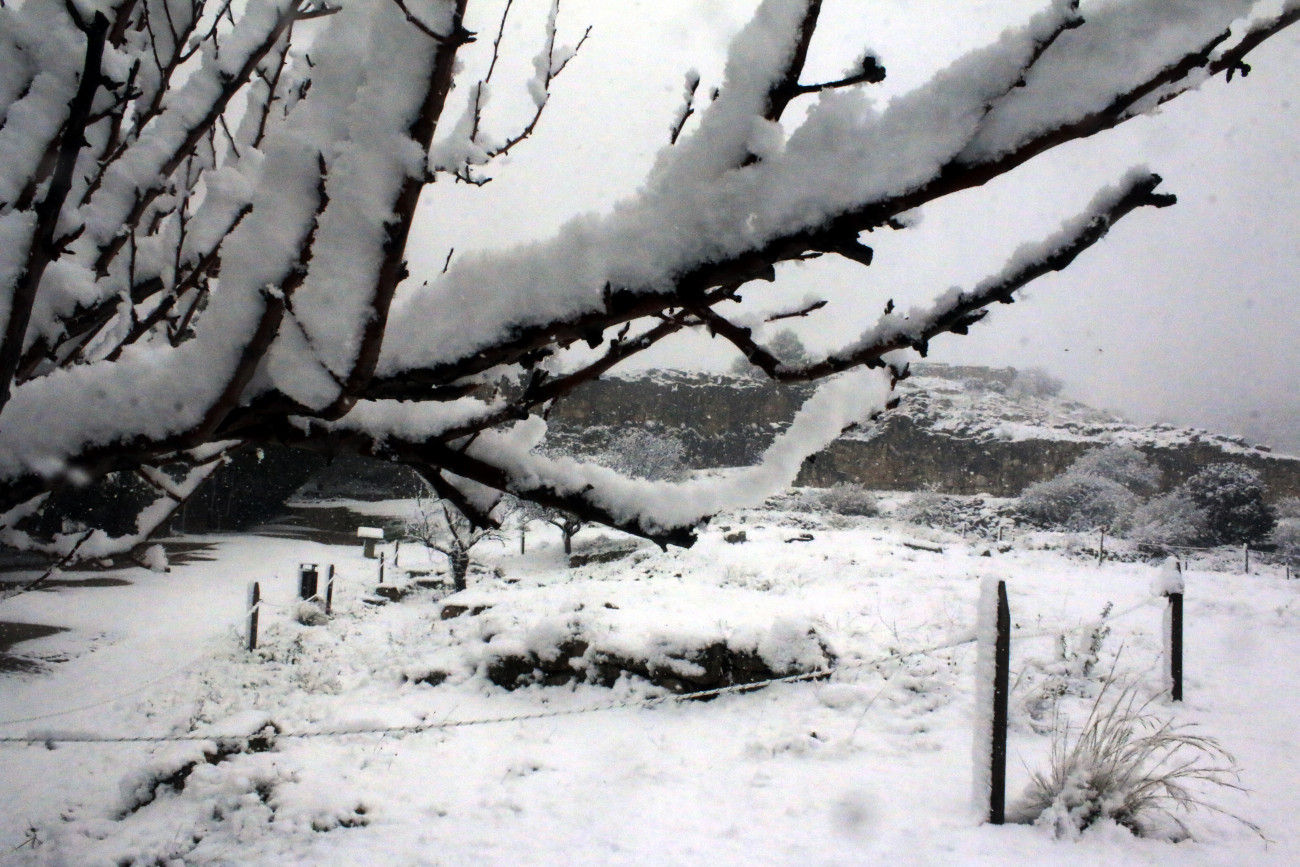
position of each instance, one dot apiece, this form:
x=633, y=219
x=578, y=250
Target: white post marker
x=370, y=536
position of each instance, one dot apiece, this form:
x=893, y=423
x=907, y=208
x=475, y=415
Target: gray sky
x=1187, y=314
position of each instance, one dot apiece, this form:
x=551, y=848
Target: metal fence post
x=1001, y=690
x=254, y=604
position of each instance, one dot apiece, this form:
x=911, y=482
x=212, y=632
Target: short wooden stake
x=329, y=590
x=381, y=567
x=254, y=605
x=1001, y=691
x=1101, y=548
x=1245, y=552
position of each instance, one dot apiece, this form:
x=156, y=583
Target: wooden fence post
x=329, y=590
x=1101, y=548
x=254, y=604
x=1245, y=551
x=381, y=567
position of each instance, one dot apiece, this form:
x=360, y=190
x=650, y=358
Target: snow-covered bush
x=1232, y=497
x=645, y=454
x=1070, y=672
x=846, y=498
x=1074, y=501
x=1034, y=382
x=1286, y=535
x=784, y=345
x=1123, y=464
x=1287, y=508
x=1128, y=766
x=1170, y=519
x=948, y=512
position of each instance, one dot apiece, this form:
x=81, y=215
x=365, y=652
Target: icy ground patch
x=870, y=766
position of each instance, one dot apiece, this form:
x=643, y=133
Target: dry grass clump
x=1131, y=767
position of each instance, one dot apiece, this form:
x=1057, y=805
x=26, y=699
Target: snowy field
x=872, y=765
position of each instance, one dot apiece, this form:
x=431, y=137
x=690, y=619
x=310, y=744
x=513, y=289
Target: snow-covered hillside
x=870, y=765
x=1009, y=405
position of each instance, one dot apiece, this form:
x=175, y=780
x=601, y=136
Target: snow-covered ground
x=872, y=765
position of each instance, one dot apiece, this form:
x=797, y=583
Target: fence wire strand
x=52, y=738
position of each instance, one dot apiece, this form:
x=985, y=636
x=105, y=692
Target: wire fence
x=50, y=739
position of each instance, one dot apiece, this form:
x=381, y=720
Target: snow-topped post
x=381, y=567
x=1170, y=584
x=308, y=581
x=369, y=536
x=254, y=604
x=993, y=664
x=329, y=590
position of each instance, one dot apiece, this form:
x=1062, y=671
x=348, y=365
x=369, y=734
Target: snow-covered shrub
x=1171, y=519
x=1071, y=672
x=785, y=345
x=1127, y=766
x=1287, y=508
x=1035, y=382
x=847, y=498
x=959, y=514
x=1078, y=502
x=1287, y=538
x=645, y=454
x=1123, y=464
x=310, y=612
x=1232, y=497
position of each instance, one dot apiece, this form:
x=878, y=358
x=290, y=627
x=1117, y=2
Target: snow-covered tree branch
x=205, y=214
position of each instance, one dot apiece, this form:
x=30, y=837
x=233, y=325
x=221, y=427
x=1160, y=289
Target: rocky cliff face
x=958, y=429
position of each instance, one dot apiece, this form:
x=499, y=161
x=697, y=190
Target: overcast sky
x=1188, y=314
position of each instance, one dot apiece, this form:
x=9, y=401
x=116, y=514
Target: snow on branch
x=205, y=214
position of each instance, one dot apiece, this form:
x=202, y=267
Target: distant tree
x=441, y=526
x=205, y=213
x=567, y=523
x=1232, y=498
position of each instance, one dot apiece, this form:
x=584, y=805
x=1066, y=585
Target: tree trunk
x=459, y=568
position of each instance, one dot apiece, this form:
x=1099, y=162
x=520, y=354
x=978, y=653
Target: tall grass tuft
x=1131, y=767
